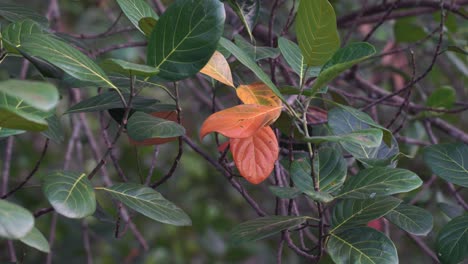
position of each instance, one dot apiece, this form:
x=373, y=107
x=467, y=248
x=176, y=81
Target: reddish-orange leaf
x=240, y=121
x=169, y=115
x=218, y=69
x=255, y=156
x=257, y=93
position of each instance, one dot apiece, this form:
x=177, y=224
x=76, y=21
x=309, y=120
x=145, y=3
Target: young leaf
x=135, y=10
x=255, y=156
x=257, y=93
x=285, y=192
x=64, y=56
x=448, y=161
x=349, y=212
x=218, y=69
x=15, y=221
x=293, y=56
x=15, y=114
x=378, y=182
x=251, y=64
x=342, y=60
x=180, y=45
x=361, y=245
x=452, y=245
x=36, y=240
x=70, y=193
x=411, y=219
x=248, y=11
x=128, y=68
x=167, y=115
x=240, y=121
x=148, y=202
x=263, y=227
x=316, y=31
x=143, y=126
x=40, y=95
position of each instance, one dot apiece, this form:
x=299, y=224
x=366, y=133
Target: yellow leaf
x=257, y=93
x=218, y=69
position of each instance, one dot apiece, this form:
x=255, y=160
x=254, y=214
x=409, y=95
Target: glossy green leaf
x=148, y=202
x=411, y=219
x=452, y=242
x=448, y=161
x=36, y=240
x=316, y=31
x=285, y=192
x=378, y=182
x=263, y=227
x=293, y=56
x=13, y=13
x=66, y=57
x=256, y=52
x=54, y=131
x=135, y=10
x=40, y=95
x=143, y=126
x=147, y=25
x=15, y=221
x=128, y=68
x=350, y=212
x=369, y=138
x=13, y=34
x=406, y=30
x=318, y=196
x=443, y=97
x=342, y=60
x=361, y=245
x=247, y=11
x=251, y=64
x=181, y=45
x=15, y=114
x=70, y=193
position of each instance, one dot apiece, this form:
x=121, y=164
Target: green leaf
x=15, y=13
x=342, y=60
x=15, y=221
x=111, y=100
x=263, y=227
x=443, y=97
x=143, y=126
x=70, y=193
x=457, y=49
x=135, y=10
x=258, y=53
x=64, y=56
x=251, y=64
x=15, y=114
x=128, y=68
x=451, y=244
x=369, y=138
x=331, y=173
x=285, y=192
x=349, y=212
x=411, y=219
x=322, y=197
x=450, y=210
x=361, y=245
x=448, y=161
x=13, y=34
x=55, y=130
x=293, y=56
x=149, y=203
x=36, y=240
x=247, y=11
x=45, y=68
x=40, y=95
x=406, y=30
x=147, y=25
x=6, y=132
x=181, y=45
x=378, y=182
x=316, y=31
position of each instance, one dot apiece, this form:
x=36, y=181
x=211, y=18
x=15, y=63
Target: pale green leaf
x=15, y=221
x=40, y=95
x=36, y=240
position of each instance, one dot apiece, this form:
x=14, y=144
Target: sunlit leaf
x=255, y=156
x=257, y=93
x=218, y=69
x=240, y=121
x=135, y=10
x=15, y=114
x=316, y=31
x=451, y=244
x=448, y=161
x=40, y=95
x=15, y=221
x=36, y=240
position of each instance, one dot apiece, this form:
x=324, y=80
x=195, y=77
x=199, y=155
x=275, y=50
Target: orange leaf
x=257, y=93
x=218, y=69
x=168, y=115
x=240, y=121
x=255, y=156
